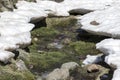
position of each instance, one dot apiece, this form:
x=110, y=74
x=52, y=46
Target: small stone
x=93, y=68
x=104, y=77
x=35, y=39
x=94, y=23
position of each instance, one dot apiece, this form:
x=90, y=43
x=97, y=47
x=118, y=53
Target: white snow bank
x=14, y=28
x=103, y=22
x=63, y=8
x=109, y=46
x=14, y=16
x=113, y=60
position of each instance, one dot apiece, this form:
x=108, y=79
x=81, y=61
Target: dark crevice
x=39, y=23
x=87, y=37
x=16, y=54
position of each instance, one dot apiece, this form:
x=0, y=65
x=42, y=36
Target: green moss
x=61, y=22
x=83, y=48
x=16, y=76
x=48, y=60
x=43, y=57
x=10, y=72
x=44, y=31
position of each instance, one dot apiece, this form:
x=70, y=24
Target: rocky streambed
x=59, y=42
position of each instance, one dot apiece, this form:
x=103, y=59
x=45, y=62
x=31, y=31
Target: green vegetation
x=10, y=72
x=44, y=57
x=49, y=60
x=83, y=48
x=61, y=22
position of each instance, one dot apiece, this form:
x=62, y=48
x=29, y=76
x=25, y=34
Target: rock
x=70, y=65
x=104, y=73
x=104, y=77
x=21, y=65
x=39, y=78
x=58, y=74
x=63, y=73
x=80, y=11
x=93, y=68
x=51, y=0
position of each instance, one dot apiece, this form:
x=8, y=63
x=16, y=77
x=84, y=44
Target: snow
x=116, y=75
x=5, y=56
x=111, y=48
x=108, y=22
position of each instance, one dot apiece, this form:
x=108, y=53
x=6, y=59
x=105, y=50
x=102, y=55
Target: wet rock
x=104, y=77
x=103, y=74
x=79, y=11
x=93, y=68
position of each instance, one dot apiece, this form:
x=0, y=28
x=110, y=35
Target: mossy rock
x=10, y=72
